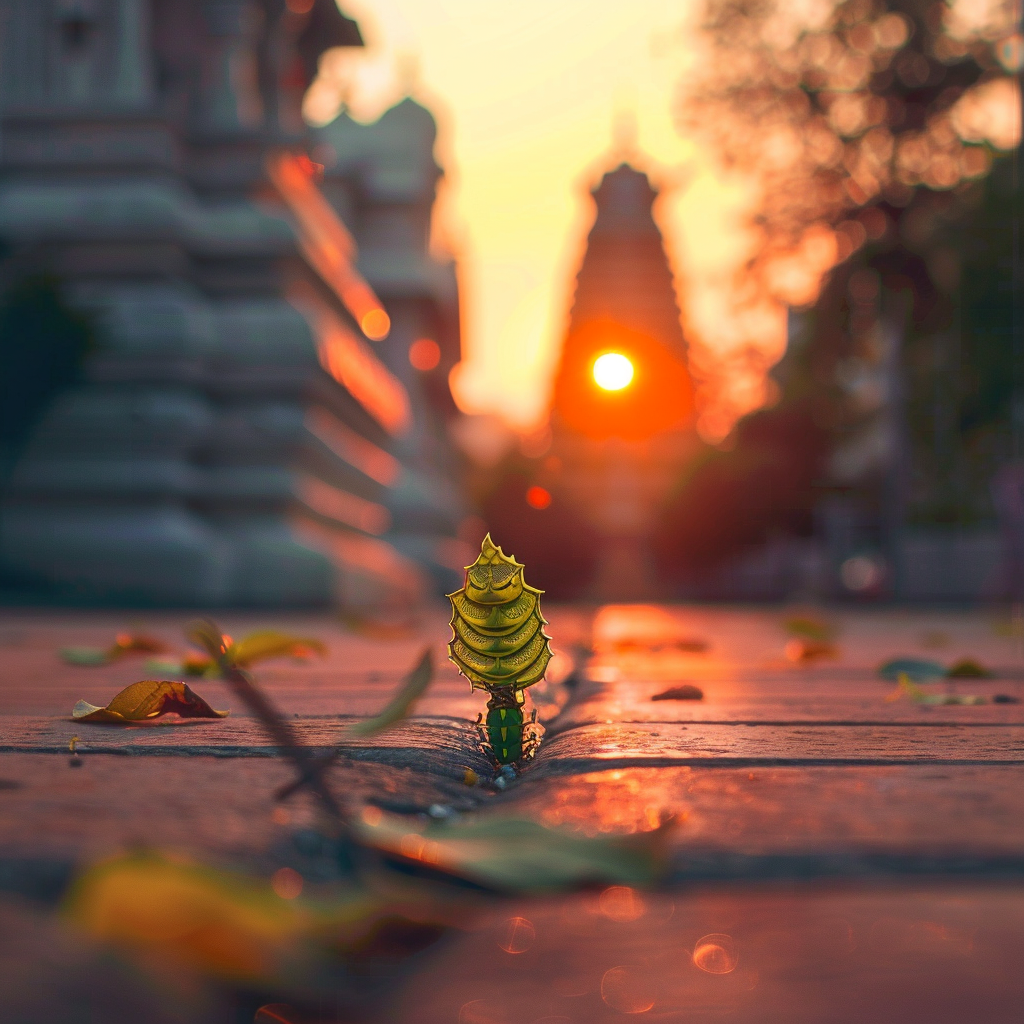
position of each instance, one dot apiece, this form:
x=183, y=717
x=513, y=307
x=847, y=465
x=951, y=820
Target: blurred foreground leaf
x=916, y=670
x=225, y=924
x=520, y=856
x=400, y=706
x=147, y=699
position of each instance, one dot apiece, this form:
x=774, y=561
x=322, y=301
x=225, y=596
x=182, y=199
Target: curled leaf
x=399, y=707
x=148, y=699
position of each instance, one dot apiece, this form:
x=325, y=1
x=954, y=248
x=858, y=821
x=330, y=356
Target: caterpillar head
x=494, y=578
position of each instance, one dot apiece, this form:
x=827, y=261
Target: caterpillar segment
x=498, y=643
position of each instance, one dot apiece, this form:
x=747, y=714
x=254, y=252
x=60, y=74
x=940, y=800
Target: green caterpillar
x=498, y=643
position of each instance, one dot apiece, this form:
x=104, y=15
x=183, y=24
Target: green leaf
x=91, y=656
x=520, y=856
x=401, y=705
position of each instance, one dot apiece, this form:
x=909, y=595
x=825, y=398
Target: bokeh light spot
x=612, y=371
x=621, y=903
x=519, y=935
x=424, y=354
x=538, y=497
x=287, y=883
x=627, y=989
x=715, y=954
x=376, y=324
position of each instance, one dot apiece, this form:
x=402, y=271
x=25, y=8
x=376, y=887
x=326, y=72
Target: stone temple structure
x=620, y=451
x=248, y=428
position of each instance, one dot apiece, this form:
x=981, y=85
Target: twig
x=208, y=635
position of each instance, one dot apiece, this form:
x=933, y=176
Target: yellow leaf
x=225, y=924
x=269, y=643
x=402, y=703
x=148, y=699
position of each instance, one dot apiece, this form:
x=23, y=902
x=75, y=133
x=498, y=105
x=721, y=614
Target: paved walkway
x=784, y=777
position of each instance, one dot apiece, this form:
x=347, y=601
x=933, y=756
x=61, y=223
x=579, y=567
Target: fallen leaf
x=915, y=669
x=124, y=644
x=805, y=652
x=148, y=699
x=90, y=656
x=811, y=627
x=374, y=629
x=138, y=643
x=269, y=643
x=692, y=645
x=516, y=855
x=968, y=668
x=913, y=692
x=685, y=692
x=163, y=667
x=399, y=707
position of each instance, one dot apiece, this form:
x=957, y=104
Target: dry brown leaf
x=147, y=699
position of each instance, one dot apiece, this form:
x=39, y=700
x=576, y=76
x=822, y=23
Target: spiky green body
x=499, y=644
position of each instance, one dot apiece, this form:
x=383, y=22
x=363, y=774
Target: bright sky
x=526, y=96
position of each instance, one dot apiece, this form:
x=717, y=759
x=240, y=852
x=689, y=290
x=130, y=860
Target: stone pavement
x=864, y=859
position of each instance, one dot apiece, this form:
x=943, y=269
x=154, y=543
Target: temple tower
x=622, y=416
x=236, y=435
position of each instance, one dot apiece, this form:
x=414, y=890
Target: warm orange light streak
x=348, y=359
x=376, y=463
x=326, y=242
x=342, y=507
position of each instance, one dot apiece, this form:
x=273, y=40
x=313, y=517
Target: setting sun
x=612, y=371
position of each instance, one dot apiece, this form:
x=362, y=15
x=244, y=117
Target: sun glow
x=613, y=371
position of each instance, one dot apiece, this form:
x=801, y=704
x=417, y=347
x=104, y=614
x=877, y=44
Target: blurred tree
x=874, y=127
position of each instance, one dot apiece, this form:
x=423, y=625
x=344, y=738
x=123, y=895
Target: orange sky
x=526, y=97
